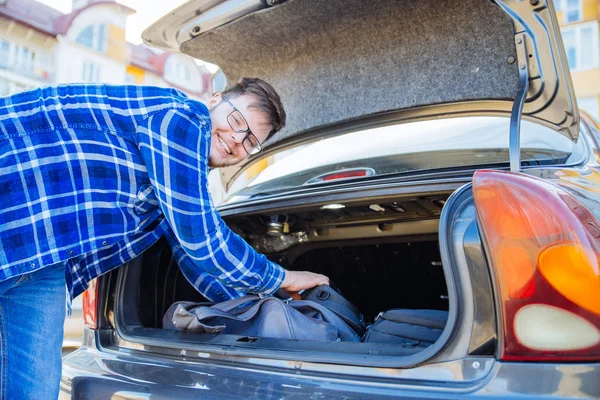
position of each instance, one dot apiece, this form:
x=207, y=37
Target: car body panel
x=90, y=374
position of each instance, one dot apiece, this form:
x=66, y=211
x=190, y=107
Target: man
x=90, y=177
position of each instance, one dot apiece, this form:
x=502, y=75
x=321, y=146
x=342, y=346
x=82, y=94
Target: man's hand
x=299, y=280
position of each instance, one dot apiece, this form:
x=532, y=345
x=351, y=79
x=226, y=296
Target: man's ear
x=216, y=99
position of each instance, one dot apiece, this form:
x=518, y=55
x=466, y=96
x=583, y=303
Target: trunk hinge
x=514, y=148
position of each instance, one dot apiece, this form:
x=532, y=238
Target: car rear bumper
x=92, y=374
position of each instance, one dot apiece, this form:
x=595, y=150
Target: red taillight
x=344, y=175
x=90, y=305
x=341, y=175
x=544, y=248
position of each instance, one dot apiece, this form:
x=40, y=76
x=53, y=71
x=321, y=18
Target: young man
x=90, y=177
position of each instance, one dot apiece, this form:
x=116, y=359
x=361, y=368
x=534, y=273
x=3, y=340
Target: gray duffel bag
x=260, y=317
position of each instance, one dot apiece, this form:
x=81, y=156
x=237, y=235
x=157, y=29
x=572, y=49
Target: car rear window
x=450, y=143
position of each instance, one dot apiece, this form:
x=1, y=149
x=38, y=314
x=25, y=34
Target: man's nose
x=238, y=137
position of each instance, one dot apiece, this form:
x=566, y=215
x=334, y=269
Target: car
x=434, y=159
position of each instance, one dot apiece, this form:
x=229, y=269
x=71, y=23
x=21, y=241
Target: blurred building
x=41, y=46
x=579, y=27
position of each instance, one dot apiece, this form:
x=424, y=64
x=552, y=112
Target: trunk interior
x=375, y=277
x=381, y=256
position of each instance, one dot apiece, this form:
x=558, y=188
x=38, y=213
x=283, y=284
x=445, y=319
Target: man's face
x=226, y=146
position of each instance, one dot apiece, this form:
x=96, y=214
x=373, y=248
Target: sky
x=148, y=11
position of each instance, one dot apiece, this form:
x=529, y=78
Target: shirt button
x=33, y=265
x=104, y=243
x=71, y=252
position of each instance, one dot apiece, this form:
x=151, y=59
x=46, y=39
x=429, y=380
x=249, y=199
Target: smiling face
x=226, y=146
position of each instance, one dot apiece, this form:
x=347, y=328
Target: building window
x=23, y=58
x=91, y=72
x=4, y=53
x=177, y=71
x=570, y=47
x=181, y=72
x=101, y=38
x=93, y=37
x=86, y=37
x=27, y=60
x=581, y=45
x=572, y=11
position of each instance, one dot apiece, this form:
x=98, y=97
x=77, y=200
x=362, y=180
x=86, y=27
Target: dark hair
x=266, y=100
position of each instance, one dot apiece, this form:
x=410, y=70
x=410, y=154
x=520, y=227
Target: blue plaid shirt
x=92, y=175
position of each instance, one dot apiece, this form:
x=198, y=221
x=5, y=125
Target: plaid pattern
x=95, y=174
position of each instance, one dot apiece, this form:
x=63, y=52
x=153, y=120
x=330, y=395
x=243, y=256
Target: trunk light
x=545, y=258
x=334, y=206
x=90, y=305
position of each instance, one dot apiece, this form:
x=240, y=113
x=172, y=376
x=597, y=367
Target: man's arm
x=209, y=285
x=175, y=145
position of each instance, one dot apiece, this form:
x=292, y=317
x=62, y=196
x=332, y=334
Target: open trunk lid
x=335, y=61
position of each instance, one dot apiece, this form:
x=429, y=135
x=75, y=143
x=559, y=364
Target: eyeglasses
x=239, y=124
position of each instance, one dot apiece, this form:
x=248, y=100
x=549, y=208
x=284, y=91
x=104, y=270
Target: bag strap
x=203, y=313
x=234, y=303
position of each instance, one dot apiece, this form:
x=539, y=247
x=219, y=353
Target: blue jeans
x=32, y=314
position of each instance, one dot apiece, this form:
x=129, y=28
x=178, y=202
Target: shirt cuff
x=274, y=276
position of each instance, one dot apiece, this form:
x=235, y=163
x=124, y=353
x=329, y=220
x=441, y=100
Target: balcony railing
x=36, y=72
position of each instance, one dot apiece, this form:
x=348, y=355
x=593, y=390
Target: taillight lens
x=341, y=175
x=544, y=248
x=90, y=305
x=345, y=175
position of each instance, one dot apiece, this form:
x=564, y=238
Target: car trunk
x=382, y=255
x=381, y=246
x=376, y=275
